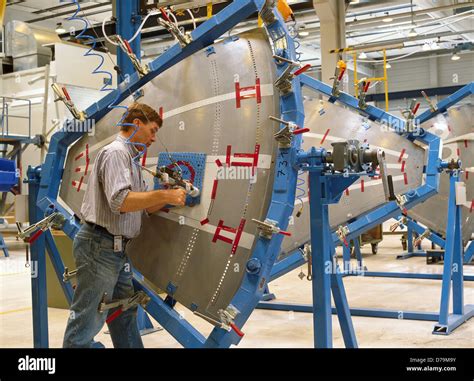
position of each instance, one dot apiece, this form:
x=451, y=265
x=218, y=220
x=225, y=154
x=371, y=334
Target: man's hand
x=177, y=197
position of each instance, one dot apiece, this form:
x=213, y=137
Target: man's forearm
x=136, y=201
x=156, y=208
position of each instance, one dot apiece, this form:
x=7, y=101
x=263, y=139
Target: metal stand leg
x=453, y=269
x=38, y=270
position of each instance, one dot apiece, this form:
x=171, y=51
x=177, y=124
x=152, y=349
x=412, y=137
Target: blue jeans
x=100, y=270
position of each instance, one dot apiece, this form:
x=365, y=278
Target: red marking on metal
x=405, y=178
x=458, y=151
x=282, y=232
x=74, y=183
x=467, y=175
x=80, y=184
x=237, y=236
x=227, y=155
x=256, y=92
x=78, y=169
x=237, y=94
x=401, y=155
x=465, y=143
x=217, y=236
x=449, y=128
x=79, y=156
x=205, y=221
x=403, y=166
x=219, y=163
x=160, y=112
x=347, y=191
x=255, y=158
x=472, y=206
x=229, y=229
x=87, y=160
x=325, y=135
x=214, y=190
x=362, y=187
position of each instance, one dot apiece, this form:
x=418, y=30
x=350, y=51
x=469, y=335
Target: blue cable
x=105, y=87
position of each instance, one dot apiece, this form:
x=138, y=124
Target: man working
x=113, y=204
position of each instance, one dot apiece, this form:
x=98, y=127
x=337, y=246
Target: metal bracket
x=139, y=298
x=142, y=70
x=63, y=96
x=342, y=232
x=268, y=228
x=285, y=135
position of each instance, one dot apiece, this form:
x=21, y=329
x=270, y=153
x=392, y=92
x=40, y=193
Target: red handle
x=66, y=94
x=366, y=87
x=301, y=70
x=114, y=316
x=282, y=232
x=165, y=15
x=127, y=45
x=343, y=70
x=35, y=236
x=236, y=330
x=415, y=109
x=300, y=131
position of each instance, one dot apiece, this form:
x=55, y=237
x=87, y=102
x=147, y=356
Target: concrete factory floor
x=276, y=329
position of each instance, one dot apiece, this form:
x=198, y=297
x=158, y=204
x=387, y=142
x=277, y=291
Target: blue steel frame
x=452, y=282
x=390, y=209
x=265, y=252
x=447, y=323
x=326, y=189
x=441, y=107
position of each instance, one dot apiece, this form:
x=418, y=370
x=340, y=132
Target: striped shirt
x=113, y=176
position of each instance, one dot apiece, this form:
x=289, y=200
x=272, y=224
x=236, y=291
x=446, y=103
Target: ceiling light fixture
x=387, y=18
x=455, y=56
x=59, y=28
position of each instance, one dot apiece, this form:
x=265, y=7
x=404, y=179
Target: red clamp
x=282, y=232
